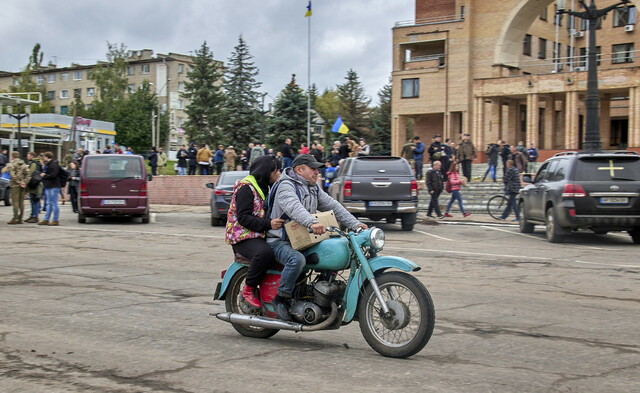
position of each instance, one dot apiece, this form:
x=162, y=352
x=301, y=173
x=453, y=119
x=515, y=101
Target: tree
x=241, y=117
x=328, y=106
x=26, y=84
x=381, y=123
x=354, y=105
x=111, y=83
x=289, y=118
x=206, y=99
x=313, y=93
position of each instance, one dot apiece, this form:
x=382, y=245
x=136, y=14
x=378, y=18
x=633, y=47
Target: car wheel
x=635, y=235
x=145, y=218
x=407, y=227
x=82, y=219
x=391, y=220
x=216, y=222
x=552, y=230
x=525, y=226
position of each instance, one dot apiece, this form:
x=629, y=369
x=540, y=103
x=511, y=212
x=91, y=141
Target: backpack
x=35, y=176
x=64, y=177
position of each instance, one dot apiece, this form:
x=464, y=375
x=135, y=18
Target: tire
x=82, y=219
x=407, y=227
x=391, y=220
x=215, y=221
x=552, y=230
x=496, y=206
x=635, y=235
x=231, y=302
x=525, y=226
x=145, y=218
x=409, y=297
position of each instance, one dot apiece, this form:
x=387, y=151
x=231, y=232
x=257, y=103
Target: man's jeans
x=490, y=170
x=35, y=205
x=182, y=171
x=293, y=262
x=418, y=162
x=51, y=202
x=511, y=204
x=286, y=162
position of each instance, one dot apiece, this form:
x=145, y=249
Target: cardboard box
x=299, y=235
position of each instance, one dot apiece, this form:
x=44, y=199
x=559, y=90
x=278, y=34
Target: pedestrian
x=435, y=181
x=456, y=182
x=287, y=155
x=257, y=152
x=162, y=161
x=153, y=161
x=247, y=153
x=345, y=150
x=532, y=155
x=304, y=149
x=78, y=156
x=230, y=156
x=202, y=157
x=244, y=162
x=19, y=177
x=519, y=160
x=418, y=151
x=466, y=155
x=51, y=183
x=218, y=159
x=74, y=185
x=520, y=147
x=182, y=156
x=505, y=151
x=407, y=153
x=365, y=149
x=107, y=150
x=4, y=159
x=34, y=186
x=492, y=152
x=329, y=174
x=192, y=156
x=511, y=189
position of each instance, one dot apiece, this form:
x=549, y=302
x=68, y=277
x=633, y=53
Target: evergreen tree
x=206, y=99
x=289, y=118
x=381, y=123
x=242, y=120
x=354, y=105
x=313, y=93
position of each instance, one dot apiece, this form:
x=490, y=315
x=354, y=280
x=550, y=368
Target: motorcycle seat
x=246, y=261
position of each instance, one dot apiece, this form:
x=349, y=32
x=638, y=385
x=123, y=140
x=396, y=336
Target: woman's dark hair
x=261, y=169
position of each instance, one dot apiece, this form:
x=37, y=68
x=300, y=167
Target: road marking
x=431, y=234
x=513, y=233
x=145, y=233
x=544, y=239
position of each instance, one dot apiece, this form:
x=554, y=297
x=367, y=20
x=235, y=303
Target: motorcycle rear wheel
x=413, y=316
x=232, y=304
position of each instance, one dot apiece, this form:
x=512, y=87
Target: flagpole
x=309, y=83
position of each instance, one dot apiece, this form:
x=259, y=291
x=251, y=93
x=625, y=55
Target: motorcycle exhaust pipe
x=270, y=323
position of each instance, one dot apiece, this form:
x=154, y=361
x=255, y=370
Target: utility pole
x=153, y=127
x=19, y=117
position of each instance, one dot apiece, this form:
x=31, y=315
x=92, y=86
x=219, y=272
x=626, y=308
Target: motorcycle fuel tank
x=333, y=254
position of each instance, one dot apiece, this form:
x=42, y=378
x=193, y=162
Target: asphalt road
x=115, y=306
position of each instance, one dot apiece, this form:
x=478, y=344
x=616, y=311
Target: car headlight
x=376, y=239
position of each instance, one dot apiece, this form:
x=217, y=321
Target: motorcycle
x=394, y=309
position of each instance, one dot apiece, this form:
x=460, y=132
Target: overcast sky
x=344, y=34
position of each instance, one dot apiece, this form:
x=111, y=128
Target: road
x=115, y=306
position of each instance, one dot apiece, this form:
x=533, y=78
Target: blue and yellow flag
x=339, y=126
x=308, y=13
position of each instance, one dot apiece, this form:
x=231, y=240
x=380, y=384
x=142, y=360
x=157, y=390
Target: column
x=496, y=122
x=509, y=135
x=533, y=119
x=634, y=117
x=605, y=121
x=549, y=123
x=478, y=127
x=398, y=134
x=571, y=120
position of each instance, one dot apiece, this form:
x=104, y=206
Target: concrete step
x=474, y=197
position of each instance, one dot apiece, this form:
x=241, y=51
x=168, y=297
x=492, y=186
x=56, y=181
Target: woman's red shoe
x=249, y=294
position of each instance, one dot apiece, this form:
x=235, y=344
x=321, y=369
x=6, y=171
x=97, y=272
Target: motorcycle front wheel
x=236, y=304
x=410, y=325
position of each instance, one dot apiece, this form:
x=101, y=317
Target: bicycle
x=496, y=205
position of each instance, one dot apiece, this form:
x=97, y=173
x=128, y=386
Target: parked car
x=572, y=190
x=221, y=195
x=5, y=191
x=113, y=185
x=377, y=188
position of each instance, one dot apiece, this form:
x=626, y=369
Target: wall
x=180, y=190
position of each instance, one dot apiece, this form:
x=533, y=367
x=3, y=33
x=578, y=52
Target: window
x=64, y=76
x=410, y=88
x=88, y=106
x=583, y=57
x=557, y=20
x=622, y=53
x=52, y=78
x=180, y=68
x=39, y=79
x=77, y=75
x=584, y=24
x=64, y=93
x=624, y=16
x=557, y=55
x=91, y=91
x=131, y=70
x=51, y=95
x=180, y=86
x=526, y=45
x=64, y=110
x=16, y=82
x=77, y=93
x=180, y=104
x=543, y=15
x=542, y=48
x=131, y=88
x=145, y=68
x=180, y=121
x=52, y=109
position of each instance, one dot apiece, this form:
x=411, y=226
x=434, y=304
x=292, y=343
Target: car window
x=560, y=171
x=389, y=167
x=541, y=172
x=110, y=167
x=605, y=169
x=230, y=178
x=551, y=171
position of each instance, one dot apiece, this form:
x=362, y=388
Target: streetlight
x=591, y=14
x=19, y=117
x=263, y=112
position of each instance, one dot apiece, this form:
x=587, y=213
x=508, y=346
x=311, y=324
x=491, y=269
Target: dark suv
x=377, y=188
x=596, y=191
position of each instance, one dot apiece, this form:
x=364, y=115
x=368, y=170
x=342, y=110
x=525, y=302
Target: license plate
x=613, y=200
x=381, y=203
x=113, y=202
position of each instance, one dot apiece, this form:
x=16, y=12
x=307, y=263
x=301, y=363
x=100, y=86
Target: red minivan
x=113, y=185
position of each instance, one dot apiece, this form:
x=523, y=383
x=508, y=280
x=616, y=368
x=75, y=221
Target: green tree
x=111, y=83
x=328, y=106
x=354, y=105
x=313, y=93
x=26, y=84
x=380, y=140
x=241, y=117
x=204, y=91
x=289, y=118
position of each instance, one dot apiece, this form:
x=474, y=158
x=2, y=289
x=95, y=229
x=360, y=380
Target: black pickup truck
x=377, y=188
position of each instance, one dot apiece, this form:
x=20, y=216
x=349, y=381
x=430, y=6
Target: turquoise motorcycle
x=394, y=309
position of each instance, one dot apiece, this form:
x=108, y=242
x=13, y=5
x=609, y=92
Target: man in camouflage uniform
x=35, y=193
x=19, y=172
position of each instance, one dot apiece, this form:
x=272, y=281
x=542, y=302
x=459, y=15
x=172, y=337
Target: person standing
x=365, y=149
x=218, y=158
x=456, y=185
x=153, y=161
x=230, y=156
x=418, y=156
x=344, y=148
x=466, y=155
x=287, y=155
x=182, y=156
x=162, y=161
x=202, y=157
x=511, y=189
x=492, y=151
x=51, y=183
x=532, y=155
x=192, y=156
x=256, y=152
x=505, y=151
x=34, y=188
x=434, y=186
x=519, y=160
x=19, y=172
x=74, y=185
x=4, y=160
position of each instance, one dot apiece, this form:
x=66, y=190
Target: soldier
x=19, y=172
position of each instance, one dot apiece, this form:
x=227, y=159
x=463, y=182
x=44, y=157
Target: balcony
x=430, y=21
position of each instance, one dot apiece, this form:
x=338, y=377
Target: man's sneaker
x=53, y=224
x=280, y=308
x=249, y=295
x=31, y=220
x=12, y=222
x=44, y=222
x=515, y=219
x=447, y=215
x=467, y=214
x=429, y=216
x=440, y=217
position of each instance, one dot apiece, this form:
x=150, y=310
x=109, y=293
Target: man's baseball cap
x=308, y=160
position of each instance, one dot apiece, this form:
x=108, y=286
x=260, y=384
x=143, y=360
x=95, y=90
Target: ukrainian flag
x=339, y=126
x=308, y=13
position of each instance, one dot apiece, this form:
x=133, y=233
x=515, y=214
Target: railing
x=439, y=57
x=430, y=21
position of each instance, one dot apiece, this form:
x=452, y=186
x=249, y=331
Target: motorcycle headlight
x=376, y=239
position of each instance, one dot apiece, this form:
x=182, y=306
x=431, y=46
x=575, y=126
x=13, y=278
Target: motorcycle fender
x=231, y=271
x=378, y=264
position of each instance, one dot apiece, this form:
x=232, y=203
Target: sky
x=345, y=34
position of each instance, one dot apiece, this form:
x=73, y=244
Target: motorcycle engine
x=324, y=292
x=306, y=312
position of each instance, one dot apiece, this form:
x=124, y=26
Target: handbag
x=447, y=186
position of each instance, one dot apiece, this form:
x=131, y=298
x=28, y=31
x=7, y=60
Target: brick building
x=512, y=70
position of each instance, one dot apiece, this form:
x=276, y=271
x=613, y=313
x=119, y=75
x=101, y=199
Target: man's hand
x=363, y=226
x=318, y=229
x=276, y=223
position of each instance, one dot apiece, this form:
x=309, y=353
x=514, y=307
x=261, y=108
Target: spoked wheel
x=234, y=302
x=496, y=206
x=410, y=325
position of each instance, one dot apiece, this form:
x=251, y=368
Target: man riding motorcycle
x=297, y=197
